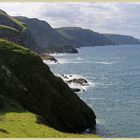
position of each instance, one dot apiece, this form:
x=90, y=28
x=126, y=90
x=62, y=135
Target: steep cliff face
x=26, y=79
x=46, y=37
x=84, y=37
x=122, y=39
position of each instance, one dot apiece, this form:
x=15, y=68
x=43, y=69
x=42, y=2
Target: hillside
x=25, y=79
x=122, y=39
x=17, y=32
x=36, y=35
x=46, y=37
x=84, y=37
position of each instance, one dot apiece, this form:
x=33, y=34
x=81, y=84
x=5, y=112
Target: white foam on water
x=79, y=58
x=59, y=54
x=49, y=62
x=100, y=121
x=67, y=77
x=104, y=62
x=70, y=61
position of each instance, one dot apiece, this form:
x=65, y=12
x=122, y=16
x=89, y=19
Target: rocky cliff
x=46, y=37
x=122, y=39
x=36, y=35
x=84, y=37
x=24, y=78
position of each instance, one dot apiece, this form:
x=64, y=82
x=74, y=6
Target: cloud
x=115, y=17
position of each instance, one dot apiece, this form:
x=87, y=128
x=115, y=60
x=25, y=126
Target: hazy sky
x=120, y=18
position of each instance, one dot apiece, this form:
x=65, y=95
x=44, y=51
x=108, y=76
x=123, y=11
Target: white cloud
x=121, y=18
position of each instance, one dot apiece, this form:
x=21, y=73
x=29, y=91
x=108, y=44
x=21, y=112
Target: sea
x=113, y=74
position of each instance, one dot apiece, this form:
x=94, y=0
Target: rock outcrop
x=49, y=57
x=80, y=81
x=26, y=79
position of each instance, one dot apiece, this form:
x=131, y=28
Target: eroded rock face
x=25, y=78
x=46, y=56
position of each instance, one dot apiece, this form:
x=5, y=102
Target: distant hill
x=84, y=37
x=46, y=37
x=122, y=39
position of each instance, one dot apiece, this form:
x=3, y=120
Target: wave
x=104, y=62
x=49, y=62
x=59, y=54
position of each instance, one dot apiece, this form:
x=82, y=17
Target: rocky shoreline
x=77, y=84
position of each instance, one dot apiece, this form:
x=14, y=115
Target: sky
x=105, y=17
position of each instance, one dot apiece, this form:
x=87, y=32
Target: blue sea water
x=114, y=92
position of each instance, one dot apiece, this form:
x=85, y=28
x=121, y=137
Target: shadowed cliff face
x=122, y=39
x=46, y=37
x=25, y=78
x=84, y=37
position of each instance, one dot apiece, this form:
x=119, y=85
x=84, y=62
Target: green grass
x=4, y=27
x=24, y=124
x=19, y=23
x=13, y=19
x=7, y=46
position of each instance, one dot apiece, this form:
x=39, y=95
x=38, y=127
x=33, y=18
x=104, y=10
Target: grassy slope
x=4, y=27
x=24, y=125
x=14, y=20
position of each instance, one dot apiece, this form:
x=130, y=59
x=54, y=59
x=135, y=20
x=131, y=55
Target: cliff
x=24, y=78
x=84, y=37
x=46, y=37
x=122, y=39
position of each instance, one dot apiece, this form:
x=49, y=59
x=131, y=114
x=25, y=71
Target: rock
x=1, y=105
x=48, y=57
x=80, y=81
x=25, y=79
x=75, y=89
x=66, y=77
